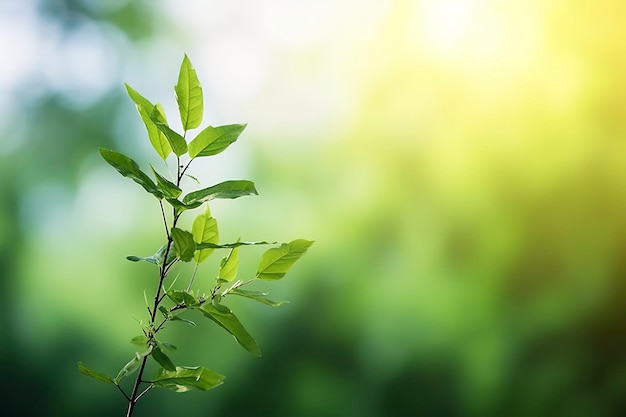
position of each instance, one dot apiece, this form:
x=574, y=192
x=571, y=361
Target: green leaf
x=276, y=262
x=258, y=296
x=181, y=296
x=225, y=318
x=178, y=318
x=183, y=244
x=162, y=359
x=141, y=340
x=168, y=188
x=229, y=265
x=157, y=258
x=130, y=367
x=204, y=229
x=144, y=107
x=226, y=189
x=97, y=375
x=168, y=345
x=150, y=259
x=129, y=168
x=230, y=245
x=179, y=206
x=176, y=141
x=213, y=140
x=185, y=378
x=189, y=96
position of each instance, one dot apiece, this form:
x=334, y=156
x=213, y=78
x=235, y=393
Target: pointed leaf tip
x=189, y=96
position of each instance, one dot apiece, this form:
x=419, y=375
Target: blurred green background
x=461, y=165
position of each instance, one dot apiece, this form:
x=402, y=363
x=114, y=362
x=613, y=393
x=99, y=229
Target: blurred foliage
x=467, y=202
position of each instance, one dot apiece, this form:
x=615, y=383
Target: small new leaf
x=144, y=107
x=276, y=262
x=183, y=244
x=229, y=266
x=189, y=96
x=225, y=318
x=204, y=229
x=129, y=168
x=184, y=378
x=214, y=140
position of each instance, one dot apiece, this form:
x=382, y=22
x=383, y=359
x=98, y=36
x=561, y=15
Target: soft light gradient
x=459, y=163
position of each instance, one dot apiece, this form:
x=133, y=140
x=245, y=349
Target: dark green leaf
x=204, y=229
x=226, y=189
x=185, y=378
x=276, y=262
x=213, y=140
x=180, y=207
x=97, y=375
x=169, y=189
x=129, y=168
x=183, y=244
x=145, y=107
x=162, y=359
x=176, y=141
x=258, y=296
x=224, y=317
x=165, y=312
x=189, y=96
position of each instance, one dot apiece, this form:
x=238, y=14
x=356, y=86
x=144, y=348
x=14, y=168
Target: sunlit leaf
x=213, y=140
x=183, y=244
x=144, y=107
x=185, y=378
x=224, y=317
x=168, y=188
x=229, y=265
x=176, y=141
x=275, y=262
x=204, y=229
x=97, y=375
x=129, y=168
x=226, y=189
x=189, y=96
x=162, y=359
x=258, y=296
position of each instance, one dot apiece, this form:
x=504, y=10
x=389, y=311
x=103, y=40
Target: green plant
x=170, y=303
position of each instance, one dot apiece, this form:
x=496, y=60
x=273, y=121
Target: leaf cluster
x=194, y=245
